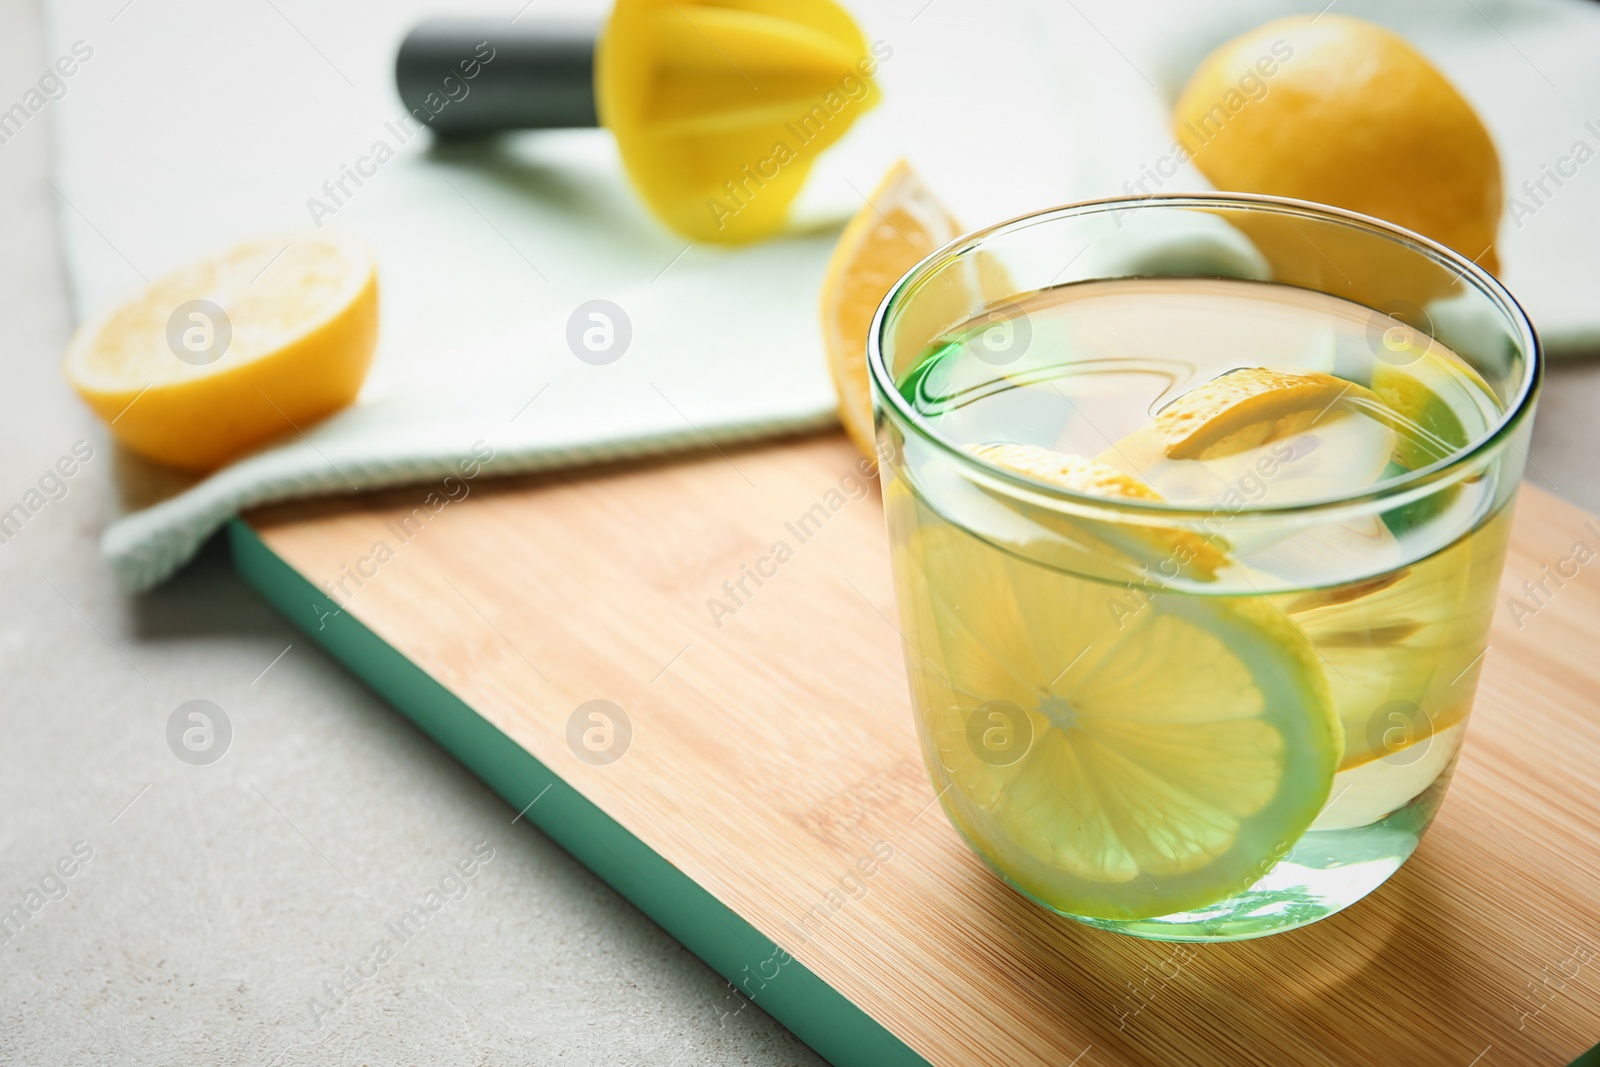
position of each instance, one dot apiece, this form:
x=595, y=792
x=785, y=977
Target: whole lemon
x=1342, y=112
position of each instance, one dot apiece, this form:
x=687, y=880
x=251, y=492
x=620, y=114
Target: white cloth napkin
x=192, y=125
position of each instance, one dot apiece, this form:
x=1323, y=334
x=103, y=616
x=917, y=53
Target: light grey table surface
x=222, y=902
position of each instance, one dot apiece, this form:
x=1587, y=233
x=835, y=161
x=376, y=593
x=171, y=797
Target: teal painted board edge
x=817, y=1013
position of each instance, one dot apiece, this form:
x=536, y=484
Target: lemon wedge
x=1257, y=433
x=223, y=355
x=1246, y=408
x=901, y=223
x=1431, y=392
x=1413, y=635
x=1077, y=473
x=1161, y=550
x=1436, y=398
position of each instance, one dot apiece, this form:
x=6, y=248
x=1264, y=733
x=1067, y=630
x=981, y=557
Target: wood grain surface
x=773, y=760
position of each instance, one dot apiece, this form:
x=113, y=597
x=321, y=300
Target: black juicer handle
x=478, y=76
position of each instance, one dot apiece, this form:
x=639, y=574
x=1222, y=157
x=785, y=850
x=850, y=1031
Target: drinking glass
x=1197, y=699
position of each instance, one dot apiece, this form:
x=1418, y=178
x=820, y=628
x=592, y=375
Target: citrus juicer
x=719, y=109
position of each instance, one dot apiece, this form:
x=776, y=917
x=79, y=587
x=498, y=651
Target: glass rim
x=1505, y=425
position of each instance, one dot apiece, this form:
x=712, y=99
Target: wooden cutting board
x=769, y=806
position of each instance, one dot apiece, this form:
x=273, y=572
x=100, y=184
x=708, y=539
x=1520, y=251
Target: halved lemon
x=223, y=355
x=901, y=223
x=1153, y=752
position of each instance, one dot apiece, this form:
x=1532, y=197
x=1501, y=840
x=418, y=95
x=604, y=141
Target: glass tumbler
x=1197, y=508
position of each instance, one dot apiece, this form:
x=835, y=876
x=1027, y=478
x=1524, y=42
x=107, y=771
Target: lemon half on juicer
x=719, y=108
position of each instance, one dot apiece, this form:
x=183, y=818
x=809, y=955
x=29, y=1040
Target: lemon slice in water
x=1160, y=550
x=1291, y=434
x=1122, y=754
x=1248, y=407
